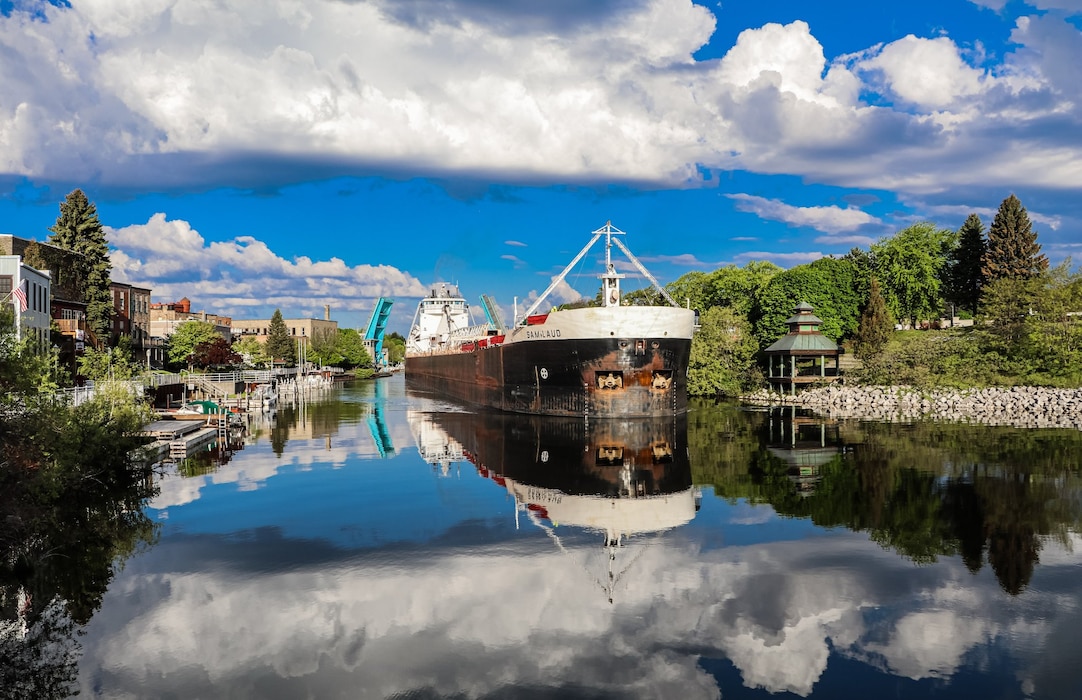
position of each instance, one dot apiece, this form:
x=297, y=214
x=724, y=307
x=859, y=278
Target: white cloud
x=172, y=93
x=925, y=72
x=243, y=276
x=829, y=219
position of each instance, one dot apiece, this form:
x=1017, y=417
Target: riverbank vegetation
x=1023, y=320
x=71, y=495
x=990, y=495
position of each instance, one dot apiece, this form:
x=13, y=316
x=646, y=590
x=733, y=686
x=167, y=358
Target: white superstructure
x=442, y=321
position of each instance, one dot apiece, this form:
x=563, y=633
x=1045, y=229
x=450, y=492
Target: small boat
x=610, y=360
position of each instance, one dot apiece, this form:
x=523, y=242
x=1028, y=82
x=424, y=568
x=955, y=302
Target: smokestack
x=326, y=312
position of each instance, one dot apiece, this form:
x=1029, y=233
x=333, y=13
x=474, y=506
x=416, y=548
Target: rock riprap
x=1022, y=406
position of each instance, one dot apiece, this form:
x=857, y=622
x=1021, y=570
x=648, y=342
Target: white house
x=27, y=291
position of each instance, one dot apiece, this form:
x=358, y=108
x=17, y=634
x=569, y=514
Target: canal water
x=377, y=544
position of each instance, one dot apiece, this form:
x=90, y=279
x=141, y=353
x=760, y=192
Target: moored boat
x=612, y=360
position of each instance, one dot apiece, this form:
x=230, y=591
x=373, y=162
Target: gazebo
x=800, y=356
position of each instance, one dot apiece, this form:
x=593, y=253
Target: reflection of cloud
x=472, y=620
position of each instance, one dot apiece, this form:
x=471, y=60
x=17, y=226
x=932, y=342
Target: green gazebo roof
x=803, y=342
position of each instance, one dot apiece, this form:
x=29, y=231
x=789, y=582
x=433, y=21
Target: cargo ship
x=611, y=360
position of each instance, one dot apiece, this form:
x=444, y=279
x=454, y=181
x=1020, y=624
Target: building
x=66, y=305
x=131, y=318
x=302, y=329
x=27, y=292
x=166, y=317
x=799, y=358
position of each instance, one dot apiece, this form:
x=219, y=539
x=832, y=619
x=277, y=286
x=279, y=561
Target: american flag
x=19, y=294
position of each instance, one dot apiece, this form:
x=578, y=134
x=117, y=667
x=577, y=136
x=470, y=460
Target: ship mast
x=610, y=279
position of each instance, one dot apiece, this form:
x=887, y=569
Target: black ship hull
x=583, y=377
x=607, y=458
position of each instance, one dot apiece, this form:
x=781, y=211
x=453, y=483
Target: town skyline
x=287, y=156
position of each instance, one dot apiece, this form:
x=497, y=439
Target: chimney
x=326, y=312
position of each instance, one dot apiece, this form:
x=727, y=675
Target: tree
x=910, y=266
x=351, y=347
x=215, y=353
x=324, y=348
x=280, y=346
x=253, y=351
x=876, y=324
x=721, y=354
x=965, y=275
x=828, y=284
x=78, y=229
x=731, y=286
x=395, y=345
x=186, y=337
x=1013, y=251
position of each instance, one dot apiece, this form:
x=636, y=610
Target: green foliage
x=721, y=354
x=182, y=343
x=70, y=491
x=828, y=284
x=1006, y=305
x=731, y=286
x=876, y=325
x=25, y=368
x=252, y=351
x=280, y=346
x=351, y=347
x=78, y=229
x=395, y=345
x=33, y=256
x=910, y=266
x=964, y=274
x=1013, y=251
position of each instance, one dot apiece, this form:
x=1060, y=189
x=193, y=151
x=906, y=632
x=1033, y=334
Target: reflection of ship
x=613, y=360
x=621, y=478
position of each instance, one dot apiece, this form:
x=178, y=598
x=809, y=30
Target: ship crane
x=610, y=278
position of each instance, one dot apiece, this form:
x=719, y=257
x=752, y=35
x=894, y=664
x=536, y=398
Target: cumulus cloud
x=928, y=73
x=242, y=276
x=829, y=219
x=175, y=94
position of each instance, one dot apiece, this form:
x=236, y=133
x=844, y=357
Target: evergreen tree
x=279, y=344
x=876, y=324
x=964, y=273
x=1013, y=251
x=78, y=229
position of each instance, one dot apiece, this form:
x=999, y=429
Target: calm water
x=380, y=545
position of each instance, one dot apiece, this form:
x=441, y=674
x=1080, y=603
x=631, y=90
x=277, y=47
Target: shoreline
x=1020, y=406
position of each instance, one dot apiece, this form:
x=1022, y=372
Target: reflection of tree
x=315, y=419
x=924, y=490
x=60, y=544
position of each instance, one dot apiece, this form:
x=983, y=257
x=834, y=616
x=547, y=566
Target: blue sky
x=261, y=154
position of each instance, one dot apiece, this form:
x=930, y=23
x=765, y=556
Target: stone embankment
x=1027, y=407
